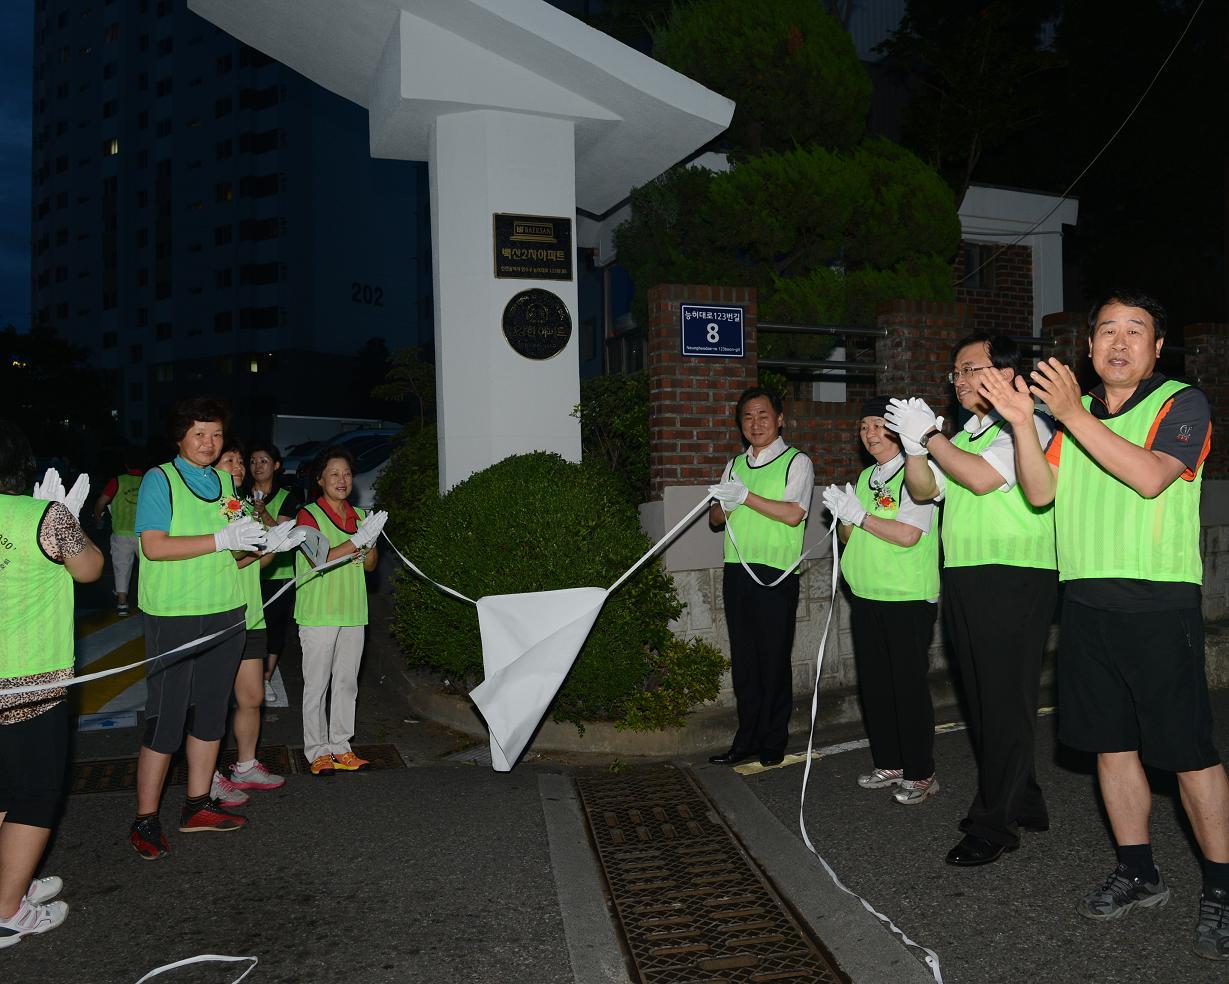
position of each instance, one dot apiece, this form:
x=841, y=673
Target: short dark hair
x=749, y=394
x=269, y=448
x=1003, y=351
x=327, y=455
x=17, y=468
x=1131, y=298
x=190, y=409
x=233, y=444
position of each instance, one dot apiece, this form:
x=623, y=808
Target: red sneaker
x=350, y=762
x=148, y=840
x=211, y=816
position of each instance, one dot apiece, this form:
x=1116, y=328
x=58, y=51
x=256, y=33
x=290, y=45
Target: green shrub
x=614, y=428
x=409, y=483
x=535, y=522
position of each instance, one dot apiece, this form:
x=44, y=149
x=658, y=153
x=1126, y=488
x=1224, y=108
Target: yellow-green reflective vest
x=1107, y=529
x=998, y=527
x=201, y=585
x=339, y=595
x=36, y=595
x=763, y=540
x=281, y=568
x=124, y=505
x=882, y=571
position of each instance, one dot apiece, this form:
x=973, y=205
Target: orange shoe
x=323, y=765
x=349, y=762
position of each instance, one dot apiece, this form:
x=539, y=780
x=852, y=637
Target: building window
x=142, y=237
x=259, y=98
x=61, y=237
x=162, y=331
x=61, y=309
x=222, y=322
x=222, y=107
x=142, y=317
x=223, y=149
x=224, y=192
x=260, y=186
x=142, y=158
x=143, y=43
x=109, y=339
x=166, y=46
x=135, y=353
x=260, y=229
x=259, y=143
x=108, y=70
x=110, y=108
x=136, y=392
x=111, y=32
x=259, y=274
x=110, y=186
x=143, y=81
x=164, y=372
x=225, y=63
x=222, y=278
x=143, y=277
x=256, y=318
x=110, y=299
x=163, y=129
x=164, y=86
x=979, y=263
x=222, y=235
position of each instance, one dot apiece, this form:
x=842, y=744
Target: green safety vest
x=998, y=527
x=36, y=595
x=124, y=505
x=281, y=568
x=339, y=595
x=882, y=571
x=249, y=577
x=201, y=585
x=763, y=540
x=1107, y=529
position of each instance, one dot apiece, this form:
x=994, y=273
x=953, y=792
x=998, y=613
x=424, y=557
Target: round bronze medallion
x=537, y=323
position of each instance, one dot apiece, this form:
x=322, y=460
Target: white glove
x=369, y=529
x=731, y=494
x=243, y=534
x=911, y=419
x=77, y=495
x=51, y=488
x=844, y=504
x=285, y=536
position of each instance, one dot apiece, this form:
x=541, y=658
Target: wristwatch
x=925, y=438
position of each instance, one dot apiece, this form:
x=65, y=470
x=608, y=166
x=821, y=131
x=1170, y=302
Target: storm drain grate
x=108, y=775
x=693, y=907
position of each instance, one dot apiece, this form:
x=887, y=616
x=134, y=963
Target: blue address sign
x=712, y=330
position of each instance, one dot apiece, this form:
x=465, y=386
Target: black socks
x=1137, y=858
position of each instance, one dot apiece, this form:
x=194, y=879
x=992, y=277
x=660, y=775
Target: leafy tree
x=409, y=380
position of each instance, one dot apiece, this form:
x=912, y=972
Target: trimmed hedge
x=536, y=522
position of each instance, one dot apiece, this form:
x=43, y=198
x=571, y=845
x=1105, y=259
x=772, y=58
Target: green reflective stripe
x=1107, y=529
x=249, y=577
x=763, y=540
x=339, y=595
x=200, y=585
x=882, y=571
x=998, y=527
x=124, y=505
x=36, y=595
x=281, y=568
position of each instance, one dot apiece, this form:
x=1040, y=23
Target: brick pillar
x=691, y=400
x=917, y=352
x=1207, y=356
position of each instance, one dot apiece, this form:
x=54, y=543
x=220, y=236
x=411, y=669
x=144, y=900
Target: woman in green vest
x=331, y=609
x=274, y=504
x=891, y=564
x=121, y=495
x=42, y=552
x=191, y=524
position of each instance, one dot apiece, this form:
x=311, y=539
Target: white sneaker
x=915, y=791
x=225, y=792
x=44, y=889
x=881, y=778
x=270, y=694
x=31, y=918
x=257, y=777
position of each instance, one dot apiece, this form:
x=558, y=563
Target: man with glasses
x=999, y=589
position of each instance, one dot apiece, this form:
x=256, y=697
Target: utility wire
x=1027, y=232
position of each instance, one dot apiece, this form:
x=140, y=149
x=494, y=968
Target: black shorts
x=33, y=768
x=1134, y=681
x=256, y=645
x=198, y=680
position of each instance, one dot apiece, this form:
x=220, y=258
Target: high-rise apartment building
x=206, y=220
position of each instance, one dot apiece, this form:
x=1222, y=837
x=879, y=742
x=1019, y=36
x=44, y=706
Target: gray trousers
x=331, y=657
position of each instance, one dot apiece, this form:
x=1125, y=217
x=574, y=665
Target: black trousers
x=761, y=626
x=277, y=614
x=891, y=644
x=997, y=618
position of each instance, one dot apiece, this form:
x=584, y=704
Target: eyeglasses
x=957, y=373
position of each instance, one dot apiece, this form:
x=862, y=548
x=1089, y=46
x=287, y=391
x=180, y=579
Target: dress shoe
x=769, y=759
x=732, y=757
x=973, y=850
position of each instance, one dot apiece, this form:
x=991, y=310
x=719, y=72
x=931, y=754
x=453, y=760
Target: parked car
x=371, y=447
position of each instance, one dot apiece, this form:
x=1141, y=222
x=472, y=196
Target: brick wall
x=1207, y=366
x=691, y=399
x=1006, y=303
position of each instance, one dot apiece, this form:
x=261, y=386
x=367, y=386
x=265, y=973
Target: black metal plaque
x=532, y=247
x=537, y=323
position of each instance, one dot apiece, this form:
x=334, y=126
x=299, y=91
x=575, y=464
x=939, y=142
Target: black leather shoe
x=732, y=757
x=973, y=850
x=769, y=759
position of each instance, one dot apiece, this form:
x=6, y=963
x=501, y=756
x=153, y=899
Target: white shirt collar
x=769, y=454
x=888, y=469
x=975, y=425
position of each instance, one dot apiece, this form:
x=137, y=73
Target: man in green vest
x=191, y=525
x=891, y=564
x=999, y=589
x=762, y=503
x=1124, y=475
x=120, y=494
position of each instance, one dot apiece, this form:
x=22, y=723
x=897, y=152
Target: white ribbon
x=203, y=958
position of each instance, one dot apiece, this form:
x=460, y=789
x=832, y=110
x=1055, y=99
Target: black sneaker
x=1212, y=930
x=1121, y=893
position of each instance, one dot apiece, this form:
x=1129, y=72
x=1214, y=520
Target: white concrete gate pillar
x=518, y=108
x=493, y=402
